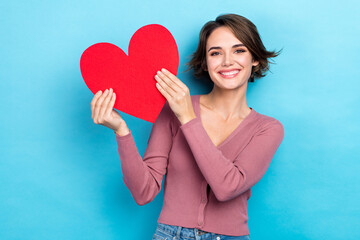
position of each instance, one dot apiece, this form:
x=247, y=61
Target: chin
x=226, y=84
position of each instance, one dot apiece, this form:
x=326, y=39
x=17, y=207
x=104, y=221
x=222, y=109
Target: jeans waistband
x=182, y=231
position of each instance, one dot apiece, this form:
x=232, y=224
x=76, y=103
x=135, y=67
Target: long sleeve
x=143, y=176
x=228, y=178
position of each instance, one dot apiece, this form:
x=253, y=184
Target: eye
x=214, y=53
x=240, y=51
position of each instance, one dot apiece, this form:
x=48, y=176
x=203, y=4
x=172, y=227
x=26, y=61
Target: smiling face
x=228, y=61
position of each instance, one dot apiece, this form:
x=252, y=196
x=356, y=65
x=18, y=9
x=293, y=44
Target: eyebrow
x=235, y=46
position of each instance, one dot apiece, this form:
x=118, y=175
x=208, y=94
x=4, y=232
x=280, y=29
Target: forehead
x=222, y=37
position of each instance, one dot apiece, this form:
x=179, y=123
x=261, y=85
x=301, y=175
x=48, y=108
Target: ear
x=255, y=63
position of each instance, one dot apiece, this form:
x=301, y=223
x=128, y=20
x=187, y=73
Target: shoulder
x=267, y=123
x=266, y=120
x=195, y=97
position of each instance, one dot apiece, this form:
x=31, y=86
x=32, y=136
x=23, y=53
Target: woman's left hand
x=177, y=94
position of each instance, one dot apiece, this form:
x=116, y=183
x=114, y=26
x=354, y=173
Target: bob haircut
x=246, y=32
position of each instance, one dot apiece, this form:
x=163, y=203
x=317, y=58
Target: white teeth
x=229, y=73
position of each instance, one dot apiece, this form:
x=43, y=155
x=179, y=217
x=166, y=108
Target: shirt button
x=200, y=223
x=204, y=200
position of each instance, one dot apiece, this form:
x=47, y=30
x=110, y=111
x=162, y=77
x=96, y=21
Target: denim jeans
x=169, y=232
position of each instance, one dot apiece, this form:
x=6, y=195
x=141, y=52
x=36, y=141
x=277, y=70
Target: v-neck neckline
x=235, y=131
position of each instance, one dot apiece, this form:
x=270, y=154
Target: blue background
x=60, y=175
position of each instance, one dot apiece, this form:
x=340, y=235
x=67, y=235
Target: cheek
x=245, y=60
x=213, y=63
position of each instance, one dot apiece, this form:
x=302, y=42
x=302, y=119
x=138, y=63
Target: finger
x=174, y=78
x=93, y=102
x=105, y=104
x=98, y=105
x=167, y=84
x=110, y=105
x=170, y=80
x=163, y=92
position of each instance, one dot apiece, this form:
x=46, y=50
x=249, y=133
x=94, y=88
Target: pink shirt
x=206, y=186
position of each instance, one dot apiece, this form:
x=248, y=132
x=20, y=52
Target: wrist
x=122, y=132
x=187, y=119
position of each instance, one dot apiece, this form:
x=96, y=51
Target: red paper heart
x=104, y=65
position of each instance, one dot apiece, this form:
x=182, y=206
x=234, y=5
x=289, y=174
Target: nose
x=227, y=60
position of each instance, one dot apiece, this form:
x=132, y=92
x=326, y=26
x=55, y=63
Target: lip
x=236, y=72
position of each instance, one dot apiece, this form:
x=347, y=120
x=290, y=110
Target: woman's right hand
x=102, y=112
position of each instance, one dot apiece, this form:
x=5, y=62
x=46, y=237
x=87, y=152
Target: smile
x=229, y=74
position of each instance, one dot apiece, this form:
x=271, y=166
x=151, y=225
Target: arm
x=143, y=176
x=228, y=179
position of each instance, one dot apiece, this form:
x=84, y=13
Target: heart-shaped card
x=104, y=65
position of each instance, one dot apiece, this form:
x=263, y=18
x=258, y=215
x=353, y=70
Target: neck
x=229, y=104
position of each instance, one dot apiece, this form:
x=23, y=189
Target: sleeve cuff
x=123, y=138
x=190, y=123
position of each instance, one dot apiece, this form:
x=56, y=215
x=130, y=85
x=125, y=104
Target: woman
x=213, y=148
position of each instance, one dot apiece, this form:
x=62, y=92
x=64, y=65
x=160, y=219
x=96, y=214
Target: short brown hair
x=246, y=32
